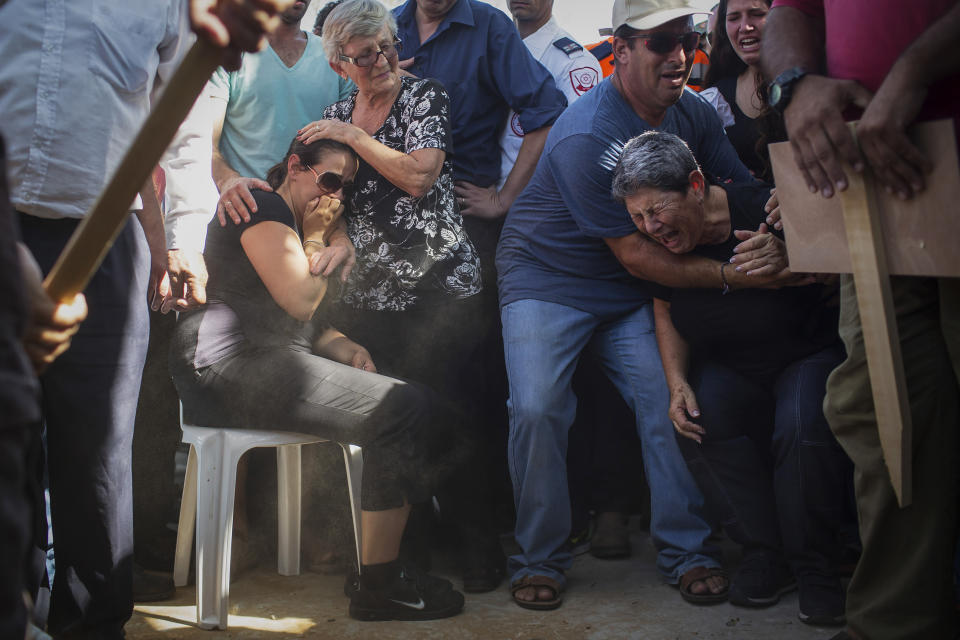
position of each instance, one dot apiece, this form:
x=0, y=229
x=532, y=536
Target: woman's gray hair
x=353, y=19
x=653, y=160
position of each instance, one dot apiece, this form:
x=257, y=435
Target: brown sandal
x=701, y=574
x=537, y=582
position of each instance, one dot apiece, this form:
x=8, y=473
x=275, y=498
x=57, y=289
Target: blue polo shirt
x=552, y=246
x=479, y=57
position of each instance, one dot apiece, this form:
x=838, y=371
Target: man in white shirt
x=574, y=69
x=77, y=81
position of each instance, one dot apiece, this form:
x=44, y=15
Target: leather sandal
x=538, y=582
x=701, y=574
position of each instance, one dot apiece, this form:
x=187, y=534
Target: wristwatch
x=780, y=90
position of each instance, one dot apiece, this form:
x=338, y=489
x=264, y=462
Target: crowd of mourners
x=488, y=255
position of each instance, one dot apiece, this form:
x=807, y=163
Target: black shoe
x=484, y=571
x=822, y=601
x=611, y=539
x=151, y=587
x=760, y=582
x=352, y=583
x=483, y=578
x=411, y=595
x=579, y=542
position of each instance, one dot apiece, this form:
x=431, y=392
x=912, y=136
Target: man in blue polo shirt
x=475, y=51
x=575, y=274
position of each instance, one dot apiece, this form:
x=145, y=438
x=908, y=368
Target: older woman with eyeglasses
x=417, y=273
x=411, y=299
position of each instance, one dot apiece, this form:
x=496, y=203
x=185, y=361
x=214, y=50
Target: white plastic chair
x=208, y=492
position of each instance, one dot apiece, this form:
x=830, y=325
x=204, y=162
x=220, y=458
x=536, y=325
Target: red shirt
x=864, y=38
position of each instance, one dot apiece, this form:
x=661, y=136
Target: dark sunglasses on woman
x=329, y=181
x=663, y=43
x=389, y=50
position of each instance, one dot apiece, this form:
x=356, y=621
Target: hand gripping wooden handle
x=95, y=234
x=878, y=320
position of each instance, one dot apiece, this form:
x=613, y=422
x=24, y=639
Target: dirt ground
x=605, y=599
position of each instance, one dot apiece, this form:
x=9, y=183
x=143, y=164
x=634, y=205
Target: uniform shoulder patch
x=583, y=79
x=567, y=45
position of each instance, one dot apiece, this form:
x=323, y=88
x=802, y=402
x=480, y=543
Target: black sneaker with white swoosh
x=411, y=595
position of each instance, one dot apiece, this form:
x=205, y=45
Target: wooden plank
x=95, y=235
x=925, y=240
x=865, y=238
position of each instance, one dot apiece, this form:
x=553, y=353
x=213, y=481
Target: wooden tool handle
x=878, y=321
x=95, y=234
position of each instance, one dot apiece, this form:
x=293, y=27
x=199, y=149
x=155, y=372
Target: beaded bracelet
x=726, y=286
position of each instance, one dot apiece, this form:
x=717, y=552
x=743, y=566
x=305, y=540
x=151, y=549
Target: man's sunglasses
x=663, y=43
x=389, y=50
x=328, y=181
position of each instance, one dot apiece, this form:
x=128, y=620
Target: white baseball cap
x=647, y=14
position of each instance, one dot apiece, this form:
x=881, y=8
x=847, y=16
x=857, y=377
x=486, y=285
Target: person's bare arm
x=151, y=219
x=335, y=346
x=339, y=252
x=647, y=260
x=283, y=263
x=413, y=172
x=675, y=356
x=819, y=137
x=236, y=201
x=899, y=165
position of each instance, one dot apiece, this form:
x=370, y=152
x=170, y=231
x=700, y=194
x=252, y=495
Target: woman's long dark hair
x=309, y=154
x=724, y=60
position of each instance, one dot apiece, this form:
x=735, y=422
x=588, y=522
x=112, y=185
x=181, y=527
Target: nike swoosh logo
x=419, y=605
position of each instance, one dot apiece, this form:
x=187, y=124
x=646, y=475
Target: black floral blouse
x=410, y=251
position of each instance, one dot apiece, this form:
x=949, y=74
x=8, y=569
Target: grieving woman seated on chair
x=260, y=355
x=746, y=371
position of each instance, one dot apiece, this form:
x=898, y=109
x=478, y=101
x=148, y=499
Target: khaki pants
x=903, y=586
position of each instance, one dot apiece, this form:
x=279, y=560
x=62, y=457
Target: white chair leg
x=217, y=477
x=288, y=510
x=187, y=521
x=353, y=458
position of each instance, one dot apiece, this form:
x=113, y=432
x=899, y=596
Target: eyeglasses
x=663, y=43
x=328, y=181
x=389, y=50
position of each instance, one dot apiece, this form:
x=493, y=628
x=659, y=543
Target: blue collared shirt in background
x=479, y=57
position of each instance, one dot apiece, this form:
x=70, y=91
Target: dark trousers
x=89, y=403
x=410, y=438
x=155, y=441
x=604, y=462
x=16, y=517
x=435, y=346
x=769, y=467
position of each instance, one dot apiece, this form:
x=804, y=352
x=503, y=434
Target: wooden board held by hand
x=865, y=231
x=920, y=234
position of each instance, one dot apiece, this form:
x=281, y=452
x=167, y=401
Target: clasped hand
x=320, y=216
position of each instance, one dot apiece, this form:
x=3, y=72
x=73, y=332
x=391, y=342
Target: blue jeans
x=542, y=343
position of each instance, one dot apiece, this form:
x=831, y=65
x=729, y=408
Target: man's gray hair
x=653, y=160
x=355, y=19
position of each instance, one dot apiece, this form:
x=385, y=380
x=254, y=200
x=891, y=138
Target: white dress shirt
x=77, y=82
x=575, y=73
